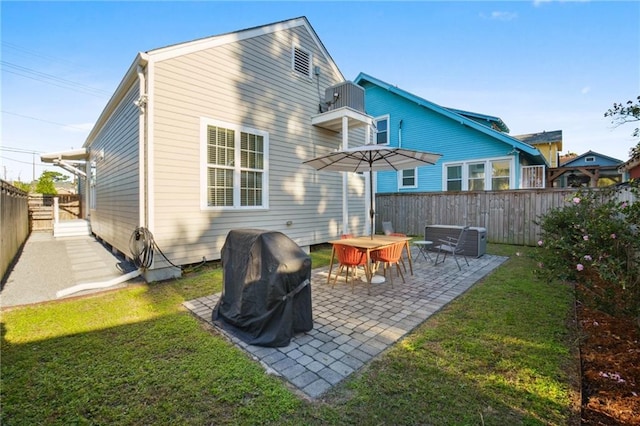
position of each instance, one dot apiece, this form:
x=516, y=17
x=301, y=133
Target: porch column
x=345, y=179
x=56, y=213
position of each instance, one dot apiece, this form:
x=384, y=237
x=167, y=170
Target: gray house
x=209, y=135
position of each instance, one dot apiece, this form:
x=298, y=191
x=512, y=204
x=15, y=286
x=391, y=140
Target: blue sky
x=538, y=65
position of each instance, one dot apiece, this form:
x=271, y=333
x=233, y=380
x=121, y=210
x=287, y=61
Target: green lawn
x=500, y=354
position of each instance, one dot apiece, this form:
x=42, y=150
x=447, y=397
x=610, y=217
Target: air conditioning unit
x=475, y=245
x=346, y=94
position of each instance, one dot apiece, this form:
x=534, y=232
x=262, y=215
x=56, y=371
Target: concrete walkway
x=351, y=328
x=48, y=265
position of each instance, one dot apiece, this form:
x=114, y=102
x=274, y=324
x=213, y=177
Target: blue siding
x=600, y=160
x=427, y=130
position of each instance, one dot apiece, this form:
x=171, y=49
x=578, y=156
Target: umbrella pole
x=372, y=213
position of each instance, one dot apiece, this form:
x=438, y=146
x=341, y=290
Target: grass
x=499, y=354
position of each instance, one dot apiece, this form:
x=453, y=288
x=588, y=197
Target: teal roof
x=459, y=117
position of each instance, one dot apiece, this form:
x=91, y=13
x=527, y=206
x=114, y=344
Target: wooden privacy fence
x=14, y=224
x=508, y=216
x=41, y=209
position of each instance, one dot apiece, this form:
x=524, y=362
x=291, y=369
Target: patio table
x=367, y=245
x=423, y=247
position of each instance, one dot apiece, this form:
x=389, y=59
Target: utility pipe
x=98, y=285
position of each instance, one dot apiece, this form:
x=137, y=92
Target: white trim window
x=500, y=175
x=476, y=177
x=234, y=166
x=301, y=61
x=473, y=176
x=381, y=135
x=408, y=178
x=453, y=177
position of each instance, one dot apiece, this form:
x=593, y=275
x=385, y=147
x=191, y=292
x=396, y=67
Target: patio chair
x=399, y=234
x=387, y=228
x=349, y=257
x=453, y=246
x=388, y=256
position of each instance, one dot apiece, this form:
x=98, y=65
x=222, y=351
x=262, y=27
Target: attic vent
x=302, y=61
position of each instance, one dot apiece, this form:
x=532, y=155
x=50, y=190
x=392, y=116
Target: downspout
x=141, y=103
x=400, y=134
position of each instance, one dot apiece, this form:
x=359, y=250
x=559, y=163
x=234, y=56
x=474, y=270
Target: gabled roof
x=502, y=137
x=179, y=49
x=542, y=137
x=580, y=158
x=143, y=58
x=495, y=122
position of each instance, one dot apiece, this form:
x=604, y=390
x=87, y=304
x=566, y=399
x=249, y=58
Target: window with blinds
x=235, y=167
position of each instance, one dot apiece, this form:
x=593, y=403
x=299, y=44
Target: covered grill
x=266, y=294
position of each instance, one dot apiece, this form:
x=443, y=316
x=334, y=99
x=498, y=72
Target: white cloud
x=537, y=3
x=585, y=90
x=503, y=16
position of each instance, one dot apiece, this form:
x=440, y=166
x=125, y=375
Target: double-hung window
x=382, y=130
x=454, y=177
x=476, y=177
x=500, y=175
x=408, y=178
x=234, y=170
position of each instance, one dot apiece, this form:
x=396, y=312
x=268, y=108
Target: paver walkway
x=351, y=328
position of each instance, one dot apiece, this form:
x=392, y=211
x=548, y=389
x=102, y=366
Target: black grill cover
x=266, y=294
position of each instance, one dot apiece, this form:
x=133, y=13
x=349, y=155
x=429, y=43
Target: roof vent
x=345, y=94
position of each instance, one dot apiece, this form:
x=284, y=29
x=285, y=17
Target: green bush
x=595, y=240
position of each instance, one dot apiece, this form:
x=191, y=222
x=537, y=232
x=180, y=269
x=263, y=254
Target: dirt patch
x=610, y=359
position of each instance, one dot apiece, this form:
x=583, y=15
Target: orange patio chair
x=388, y=256
x=351, y=258
x=400, y=234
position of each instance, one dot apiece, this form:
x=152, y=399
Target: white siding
x=117, y=186
x=250, y=83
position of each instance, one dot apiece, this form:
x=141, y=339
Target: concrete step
x=72, y=228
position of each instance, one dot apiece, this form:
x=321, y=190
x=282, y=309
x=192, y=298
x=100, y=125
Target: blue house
x=590, y=169
x=477, y=153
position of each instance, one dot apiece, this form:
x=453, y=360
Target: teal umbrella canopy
x=372, y=158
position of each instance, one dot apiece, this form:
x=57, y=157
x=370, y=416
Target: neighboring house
x=548, y=143
x=587, y=170
x=207, y=136
x=477, y=154
x=631, y=168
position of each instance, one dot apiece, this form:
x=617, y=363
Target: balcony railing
x=532, y=177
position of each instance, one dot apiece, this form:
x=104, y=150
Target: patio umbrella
x=370, y=158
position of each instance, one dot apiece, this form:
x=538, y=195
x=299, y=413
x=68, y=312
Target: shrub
x=595, y=240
